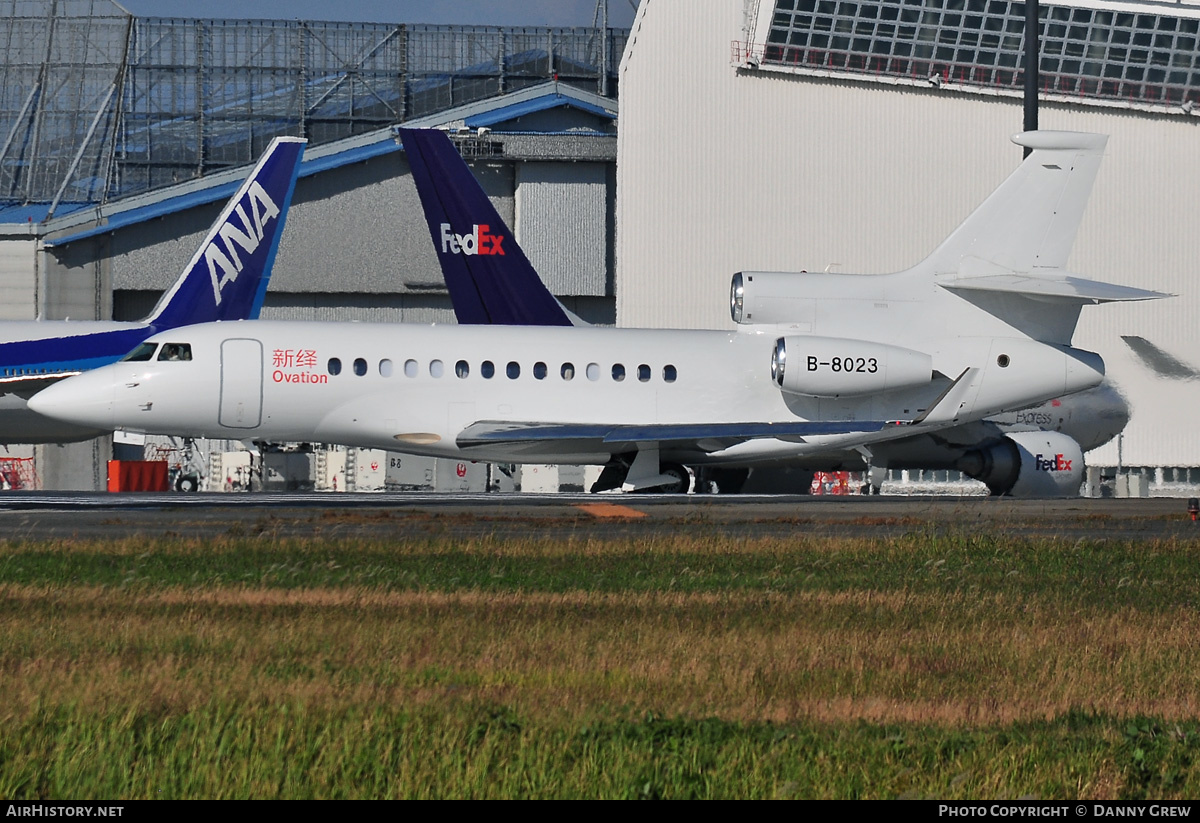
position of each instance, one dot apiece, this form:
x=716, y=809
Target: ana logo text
x=1053, y=464
x=221, y=255
x=477, y=241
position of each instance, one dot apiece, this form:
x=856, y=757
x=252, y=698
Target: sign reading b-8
x=861, y=365
x=836, y=367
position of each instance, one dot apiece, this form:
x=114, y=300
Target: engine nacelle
x=836, y=367
x=1028, y=464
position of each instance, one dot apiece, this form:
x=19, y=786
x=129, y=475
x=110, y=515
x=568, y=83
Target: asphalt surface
x=44, y=515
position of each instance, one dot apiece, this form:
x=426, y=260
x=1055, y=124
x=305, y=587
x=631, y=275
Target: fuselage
x=417, y=388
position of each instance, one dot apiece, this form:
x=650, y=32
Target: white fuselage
x=421, y=386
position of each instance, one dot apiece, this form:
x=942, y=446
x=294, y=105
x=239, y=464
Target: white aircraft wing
x=705, y=436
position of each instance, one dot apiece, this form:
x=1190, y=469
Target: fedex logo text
x=477, y=241
x=1052, y=464
x=221, y=255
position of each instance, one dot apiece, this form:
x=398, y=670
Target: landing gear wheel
x=187, y=483
x=681, y=480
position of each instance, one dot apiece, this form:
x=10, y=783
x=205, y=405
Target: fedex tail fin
x=227, y=276
x=489, y=278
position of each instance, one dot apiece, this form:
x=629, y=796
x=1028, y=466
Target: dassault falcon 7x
x=979, y=328
x=225, y=280
x=504, y=289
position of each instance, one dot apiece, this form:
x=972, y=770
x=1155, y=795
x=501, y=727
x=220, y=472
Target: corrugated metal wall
x=18, y=280
x=357, y=229
x=562, y=224
x=785, y=172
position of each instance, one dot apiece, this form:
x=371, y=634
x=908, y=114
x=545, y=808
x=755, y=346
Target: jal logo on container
x=476, y=241
x=1053, y=464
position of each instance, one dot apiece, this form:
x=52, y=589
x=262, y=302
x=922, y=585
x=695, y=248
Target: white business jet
x=979, y=328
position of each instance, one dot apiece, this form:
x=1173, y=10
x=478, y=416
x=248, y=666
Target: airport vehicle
x=492, y=282
x=226, y=279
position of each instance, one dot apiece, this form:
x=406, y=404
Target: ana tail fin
x=1031, y=220
x=228, y=275
x=489, y=278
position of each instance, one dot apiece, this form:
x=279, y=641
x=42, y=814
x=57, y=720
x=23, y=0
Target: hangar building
x=122, y=137
x=854, y=135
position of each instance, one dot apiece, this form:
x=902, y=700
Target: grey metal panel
x=562, y=211
x=357, y=229
x=18, y=280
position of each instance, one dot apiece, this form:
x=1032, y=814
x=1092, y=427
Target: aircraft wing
x=943, y=413
x=705, y=436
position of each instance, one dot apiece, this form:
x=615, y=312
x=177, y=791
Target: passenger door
x=241, y=384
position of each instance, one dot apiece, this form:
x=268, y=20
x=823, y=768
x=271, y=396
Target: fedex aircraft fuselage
x=580, y=395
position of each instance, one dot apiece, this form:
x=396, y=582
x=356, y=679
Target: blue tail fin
x=489, y=278
x=227, y=276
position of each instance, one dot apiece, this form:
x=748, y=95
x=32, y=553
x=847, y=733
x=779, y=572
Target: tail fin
x=1031, y=220
x=227, y=276
x=489, y=278
x=1007, y=258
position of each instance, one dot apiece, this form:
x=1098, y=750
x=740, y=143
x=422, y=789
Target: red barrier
x=137, y=476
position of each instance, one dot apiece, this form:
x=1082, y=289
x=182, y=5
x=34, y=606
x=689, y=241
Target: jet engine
x=1028, y=464
x=834, y=367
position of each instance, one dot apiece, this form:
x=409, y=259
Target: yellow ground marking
x=609, y=510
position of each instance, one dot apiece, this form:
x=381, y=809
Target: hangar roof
x=466, y=124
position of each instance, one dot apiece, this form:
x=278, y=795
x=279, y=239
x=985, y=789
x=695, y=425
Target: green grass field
x=929, y=665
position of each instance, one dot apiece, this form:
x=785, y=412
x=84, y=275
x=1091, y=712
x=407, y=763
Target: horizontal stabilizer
x=1060, y=287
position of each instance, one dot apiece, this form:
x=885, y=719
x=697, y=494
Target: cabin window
x=568, y=371
x=436, y=368
x=385, y=368
x=618, y=372
x=539, y=370
x=462, y=368
x=175, y=351
x=643, y=373
x=410, y=368
x=513, y=370
x=593, y=371
x=360, y=366
x=141, y=353
x=669, y=374
x=487, y=369
x=335, y=366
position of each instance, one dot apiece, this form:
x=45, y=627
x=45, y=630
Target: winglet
x=490, y=279
x=948, y=404
x=227, y=277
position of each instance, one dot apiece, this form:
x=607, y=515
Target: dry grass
x=883, y=657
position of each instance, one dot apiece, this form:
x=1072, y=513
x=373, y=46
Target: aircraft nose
x=84, y=400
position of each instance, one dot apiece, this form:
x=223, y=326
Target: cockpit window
x=141, y=353
x=176, y=351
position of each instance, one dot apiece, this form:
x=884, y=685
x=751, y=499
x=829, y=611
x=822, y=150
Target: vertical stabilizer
x=227, y=276
x=489, y=278
x=1030, y=221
